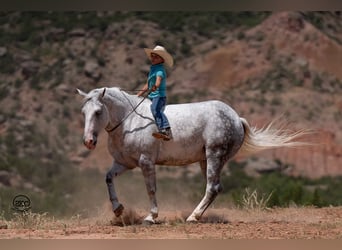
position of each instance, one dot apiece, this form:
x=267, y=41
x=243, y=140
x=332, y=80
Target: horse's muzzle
x=90, y=143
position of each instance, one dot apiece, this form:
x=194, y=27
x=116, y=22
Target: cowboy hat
x=161, y=51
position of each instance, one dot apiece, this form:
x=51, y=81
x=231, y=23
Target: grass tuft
x=252, y=200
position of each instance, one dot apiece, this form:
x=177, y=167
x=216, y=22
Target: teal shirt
x=157, y=70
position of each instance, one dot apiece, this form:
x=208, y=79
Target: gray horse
x=208, y=132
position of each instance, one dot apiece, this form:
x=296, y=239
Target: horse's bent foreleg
x=213, y=187
x=149, y=172
x=115, y=171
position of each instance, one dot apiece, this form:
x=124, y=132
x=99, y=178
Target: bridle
x=134, y=109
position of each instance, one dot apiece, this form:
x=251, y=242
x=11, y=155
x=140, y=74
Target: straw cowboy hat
x=161, y=51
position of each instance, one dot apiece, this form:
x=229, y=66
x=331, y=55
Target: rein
x=123, y=119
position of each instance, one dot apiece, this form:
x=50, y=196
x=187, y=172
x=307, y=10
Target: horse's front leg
x=149, y=172
x=115, y=171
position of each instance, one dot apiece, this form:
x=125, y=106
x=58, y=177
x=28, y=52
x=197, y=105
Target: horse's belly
x=180, y=156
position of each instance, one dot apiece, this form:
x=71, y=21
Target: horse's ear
x=78, y=91
x=103, y=93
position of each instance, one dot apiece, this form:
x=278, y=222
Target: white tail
x=269, y=137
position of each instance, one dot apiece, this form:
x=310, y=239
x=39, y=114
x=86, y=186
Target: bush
x=7, y=64
x=203, y=23
x=317, y=83
x=285, y=190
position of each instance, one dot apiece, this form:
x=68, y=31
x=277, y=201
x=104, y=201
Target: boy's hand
x=141, y=92
x=154, y=88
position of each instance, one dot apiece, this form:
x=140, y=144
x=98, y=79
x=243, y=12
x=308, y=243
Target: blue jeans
x=157, y=108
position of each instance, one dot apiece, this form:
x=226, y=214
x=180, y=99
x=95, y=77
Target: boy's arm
x=154, y=88
x=157, y=84
x=144, y=89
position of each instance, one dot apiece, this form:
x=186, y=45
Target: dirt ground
x=279, y=223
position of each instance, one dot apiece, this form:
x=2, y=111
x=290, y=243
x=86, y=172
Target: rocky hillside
x=265, y=65
x=285, y=66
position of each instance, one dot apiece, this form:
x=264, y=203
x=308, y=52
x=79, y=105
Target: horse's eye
x=98, y=113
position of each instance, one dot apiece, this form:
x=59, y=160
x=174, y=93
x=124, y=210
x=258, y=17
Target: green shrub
x=203, y=23
x=185, y=48
x=241, y=35
x=63, y=129
x=3, y=92
x=317, y=82
x=285, y=190
x=7, y=64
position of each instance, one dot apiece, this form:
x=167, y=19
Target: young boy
x=156, y=84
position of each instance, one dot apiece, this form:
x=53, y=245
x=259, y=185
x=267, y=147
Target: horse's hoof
x=149, y=220
x=119, y=210
x=148, y=223
x=192, y=219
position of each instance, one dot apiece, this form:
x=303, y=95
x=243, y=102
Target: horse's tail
x=269, y=137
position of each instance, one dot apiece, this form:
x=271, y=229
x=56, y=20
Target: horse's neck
x=119, y=104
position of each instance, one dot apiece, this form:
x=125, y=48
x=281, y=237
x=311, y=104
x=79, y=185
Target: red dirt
x=280, y=223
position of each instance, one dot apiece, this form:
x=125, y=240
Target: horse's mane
x=113, y=93
x=123, y=96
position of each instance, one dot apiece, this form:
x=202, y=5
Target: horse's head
x=95, y=116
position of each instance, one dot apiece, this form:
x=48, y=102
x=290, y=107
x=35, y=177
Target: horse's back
x=201, y=114
x=198, y=126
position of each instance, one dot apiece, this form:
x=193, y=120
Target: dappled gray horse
x=208, y=132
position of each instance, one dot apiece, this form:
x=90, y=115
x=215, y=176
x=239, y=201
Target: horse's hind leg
x=115, y=171
x=213, y=187
x=203, y=165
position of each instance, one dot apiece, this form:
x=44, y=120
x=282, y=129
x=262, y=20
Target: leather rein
x=123, y=119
